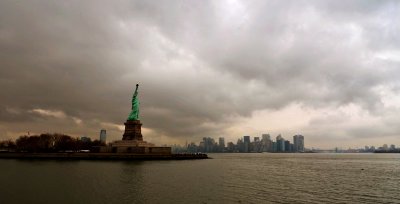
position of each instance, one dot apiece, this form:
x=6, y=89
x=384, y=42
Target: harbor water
x=227, y=178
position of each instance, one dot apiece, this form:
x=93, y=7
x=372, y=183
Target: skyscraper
x=246, y=141
x=280, y=143
x=103, y=135
x=385, y=147
x=266, y=143
x=209, y=144
x=257, y=145
x=298, y=141
x=287, y=146
x=392, y=147
x=240, y=145
x=266, y=137
x=221, y=144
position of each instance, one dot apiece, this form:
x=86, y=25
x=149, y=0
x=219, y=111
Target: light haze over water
x=228, y=178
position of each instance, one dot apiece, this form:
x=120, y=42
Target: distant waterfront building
x=298, y=143
x=85, y=139
x=201, y=146
x=240, y=145
x=392, y=147
x=287, y=146
x=257, y=145
x=231, y=147
x=266, y=143
x=274, y=148
x=280, y=143
x=385, y=147
x=221, y=142
x=209, y=144
x=192, y=148
x=103, y=136
x=246, y=141
x=372, y=148
x=266, y=137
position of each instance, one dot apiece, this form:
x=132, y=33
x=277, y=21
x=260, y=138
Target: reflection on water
x=228, y=178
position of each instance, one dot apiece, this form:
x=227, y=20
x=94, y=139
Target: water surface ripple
x=228, y=178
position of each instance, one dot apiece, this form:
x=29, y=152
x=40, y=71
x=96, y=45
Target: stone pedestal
x=132, y=142
x=133, y=130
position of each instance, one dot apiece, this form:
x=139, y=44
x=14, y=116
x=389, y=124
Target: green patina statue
x=134, y=115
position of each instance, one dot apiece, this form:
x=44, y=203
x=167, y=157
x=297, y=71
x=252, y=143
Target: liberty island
x=130, y=147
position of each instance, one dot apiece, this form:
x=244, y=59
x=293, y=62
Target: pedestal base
x=133, y=130
x=132, y=142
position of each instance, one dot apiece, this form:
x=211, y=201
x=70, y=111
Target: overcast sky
x=328, y=70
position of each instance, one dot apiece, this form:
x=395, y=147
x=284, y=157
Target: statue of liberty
x=134, y=115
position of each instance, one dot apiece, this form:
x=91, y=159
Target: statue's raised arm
x=134, y=115
x=135, y=94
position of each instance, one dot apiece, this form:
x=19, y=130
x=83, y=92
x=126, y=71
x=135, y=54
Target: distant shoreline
x=99, y=156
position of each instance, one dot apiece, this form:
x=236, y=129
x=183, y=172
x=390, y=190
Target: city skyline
x=245, y=145
x=298, y=145
x=324, y=69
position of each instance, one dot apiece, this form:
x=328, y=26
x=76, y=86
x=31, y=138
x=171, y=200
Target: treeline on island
x=48, y=143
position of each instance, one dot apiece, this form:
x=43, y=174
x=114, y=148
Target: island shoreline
x=99, y=156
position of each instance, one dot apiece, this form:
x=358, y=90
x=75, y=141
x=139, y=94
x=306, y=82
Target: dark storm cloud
x=201, y=64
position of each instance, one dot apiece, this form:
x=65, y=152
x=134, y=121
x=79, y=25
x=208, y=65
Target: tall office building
x=103, y=135
x=246, y=141
x=266, y=143
x=385, y=147
x=372, y=148
x=221, y=143
x=257, y=145
x=274, y=147
x=240, y=145
x=287, y=146
x=280, y=143
x=231, y=147
x=392, y=147
x=209, y=144
x=266, y=137
x=298, y=143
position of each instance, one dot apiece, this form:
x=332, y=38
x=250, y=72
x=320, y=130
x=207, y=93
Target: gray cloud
x=201, y=64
